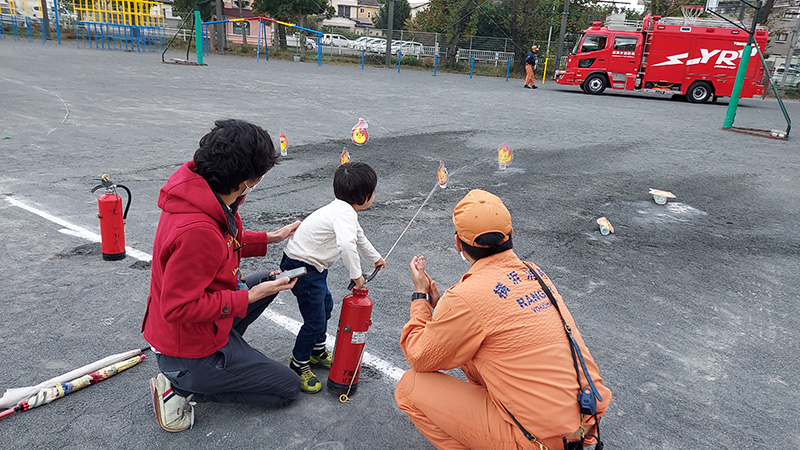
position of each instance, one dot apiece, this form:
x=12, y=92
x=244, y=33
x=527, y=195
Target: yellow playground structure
x=120, y=12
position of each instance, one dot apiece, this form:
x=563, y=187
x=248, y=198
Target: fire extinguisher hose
x=344, y=398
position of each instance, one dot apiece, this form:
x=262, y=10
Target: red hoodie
x=193, y=287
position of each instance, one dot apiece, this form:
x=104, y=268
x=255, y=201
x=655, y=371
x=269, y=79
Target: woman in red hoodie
x=200, y=305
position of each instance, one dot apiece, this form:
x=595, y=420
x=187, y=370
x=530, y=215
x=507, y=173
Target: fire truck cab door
x=592, y=52
x=623, y=65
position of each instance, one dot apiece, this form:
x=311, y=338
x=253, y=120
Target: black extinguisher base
x=339, y=389
x=113, y=256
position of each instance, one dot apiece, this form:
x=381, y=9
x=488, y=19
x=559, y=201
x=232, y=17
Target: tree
x=185, y=7
x=245, y=28
x=289, y=11
x=402, y=12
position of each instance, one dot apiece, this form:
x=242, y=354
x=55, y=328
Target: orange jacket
x=499, y=326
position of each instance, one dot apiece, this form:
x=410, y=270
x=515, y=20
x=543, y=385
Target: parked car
x=408, y=48
x=360, y=42
x=294, y=40
x=379, y=45
x=366, y=43
x=335, y=40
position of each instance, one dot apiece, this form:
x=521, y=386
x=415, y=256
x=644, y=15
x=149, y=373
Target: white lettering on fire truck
x=726, y=58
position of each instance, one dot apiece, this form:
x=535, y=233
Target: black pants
x=236, y=373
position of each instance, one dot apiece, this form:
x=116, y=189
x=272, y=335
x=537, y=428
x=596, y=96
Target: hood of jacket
x=186, y=192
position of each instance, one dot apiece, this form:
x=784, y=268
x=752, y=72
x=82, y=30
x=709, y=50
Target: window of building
x=368, y=14
x=237, y=27
x=593, y=42
x=362, y=10
x=782, y=37
x=344, y=11
x=791, y=15
x=625, y=43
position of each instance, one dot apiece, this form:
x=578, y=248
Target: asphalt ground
x=690, y=309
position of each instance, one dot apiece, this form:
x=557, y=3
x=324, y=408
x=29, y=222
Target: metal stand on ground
x=711, y=5
x=195, y=15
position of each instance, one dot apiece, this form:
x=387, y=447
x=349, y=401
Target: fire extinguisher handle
x=366, y=278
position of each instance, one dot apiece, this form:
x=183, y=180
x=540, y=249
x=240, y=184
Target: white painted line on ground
x=291, y=325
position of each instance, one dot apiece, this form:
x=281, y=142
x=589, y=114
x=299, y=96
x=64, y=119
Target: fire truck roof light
x=597, y=24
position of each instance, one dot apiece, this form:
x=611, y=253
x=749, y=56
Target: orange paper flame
x=504, y=155
x=284, y=144
x=442, y=175
x=359, y=134
x=345, y=158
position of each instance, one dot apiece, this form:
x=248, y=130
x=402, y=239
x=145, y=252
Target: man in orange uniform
x=500, y=327
x=530, y=66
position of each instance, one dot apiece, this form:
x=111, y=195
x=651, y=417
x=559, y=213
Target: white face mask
x=462, y=256
x=248, y=189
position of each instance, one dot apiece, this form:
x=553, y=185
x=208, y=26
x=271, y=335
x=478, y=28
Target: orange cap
x=478, y=213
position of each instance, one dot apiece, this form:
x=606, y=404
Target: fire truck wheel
x=595, y=84
x=583, y=86
x=699, y=92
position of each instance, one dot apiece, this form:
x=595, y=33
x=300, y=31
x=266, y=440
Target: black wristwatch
x=418, y=295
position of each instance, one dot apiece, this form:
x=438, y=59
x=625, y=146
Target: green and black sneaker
x=324, y=360
x=309, y=382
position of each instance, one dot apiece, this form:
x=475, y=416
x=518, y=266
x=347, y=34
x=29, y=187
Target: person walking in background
x=506, y=326
x=530, y=66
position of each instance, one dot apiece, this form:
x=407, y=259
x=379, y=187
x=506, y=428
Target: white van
x=335, y=40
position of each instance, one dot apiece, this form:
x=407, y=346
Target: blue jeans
x=236, y=373
x=316, y=304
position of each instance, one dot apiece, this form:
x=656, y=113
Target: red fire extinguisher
x=354, y=323
x=112, y=219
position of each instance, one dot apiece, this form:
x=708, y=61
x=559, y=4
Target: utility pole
x=561, y=34
x=389, y=25
x=220, y=28
x=792, y=46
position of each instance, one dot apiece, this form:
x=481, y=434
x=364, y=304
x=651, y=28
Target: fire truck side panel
x=681, y=55
x=664, y=57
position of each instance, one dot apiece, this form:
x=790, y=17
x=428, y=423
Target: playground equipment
x=136, y=25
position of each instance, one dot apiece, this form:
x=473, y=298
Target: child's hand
x=380, y=264
x=282, y=233
x=359, y=282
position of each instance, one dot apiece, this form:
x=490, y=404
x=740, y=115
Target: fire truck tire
x=699, y=92
x=583, y=86
x=595, y=84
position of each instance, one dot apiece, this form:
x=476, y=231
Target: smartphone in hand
x=291, y=274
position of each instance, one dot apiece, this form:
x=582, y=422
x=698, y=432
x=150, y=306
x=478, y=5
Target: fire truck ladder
x=648, y=37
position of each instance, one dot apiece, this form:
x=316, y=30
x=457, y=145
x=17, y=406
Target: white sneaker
x=174, y=413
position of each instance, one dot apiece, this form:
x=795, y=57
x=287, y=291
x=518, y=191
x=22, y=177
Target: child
x=321, y=239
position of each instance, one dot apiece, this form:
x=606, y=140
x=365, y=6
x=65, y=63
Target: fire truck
x=667, y=55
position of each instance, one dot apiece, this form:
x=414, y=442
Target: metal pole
x=561, y=34
x=198, y=37
x=220, y=28
x=792, y=46
x=389, y=25
x=742, y=71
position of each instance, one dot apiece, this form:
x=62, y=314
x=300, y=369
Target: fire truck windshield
x=577, y=44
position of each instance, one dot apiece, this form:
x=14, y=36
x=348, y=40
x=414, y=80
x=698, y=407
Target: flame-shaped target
x=345, y=158
x=359, y=134
x=504, y=155
x=442, y=175
x=284, y=144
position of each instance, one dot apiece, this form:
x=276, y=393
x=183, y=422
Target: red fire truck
x=698, y=60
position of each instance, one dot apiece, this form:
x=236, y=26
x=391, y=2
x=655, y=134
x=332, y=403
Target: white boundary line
x=291, y=325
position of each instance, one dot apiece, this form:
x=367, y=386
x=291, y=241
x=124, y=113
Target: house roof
x=364, y=22
x=373, y=3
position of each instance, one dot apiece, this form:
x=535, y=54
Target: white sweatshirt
x=328, y=233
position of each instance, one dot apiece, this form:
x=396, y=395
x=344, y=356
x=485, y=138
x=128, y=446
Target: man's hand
x=422, y=281
x=359, y=282
x=282, y=233
x=268, y=288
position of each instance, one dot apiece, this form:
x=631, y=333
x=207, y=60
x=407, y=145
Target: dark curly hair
x=233, y=152
x=354, y=182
